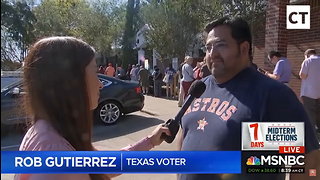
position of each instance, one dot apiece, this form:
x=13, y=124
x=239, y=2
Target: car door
x=11, y=105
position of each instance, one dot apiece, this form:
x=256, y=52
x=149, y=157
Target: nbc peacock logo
x=253, y=160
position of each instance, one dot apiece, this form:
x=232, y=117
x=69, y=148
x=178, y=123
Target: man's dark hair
x=309, y=52
x=240, y=30
x=274, y=53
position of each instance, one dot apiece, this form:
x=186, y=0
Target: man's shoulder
x=254, y=79
x=282, y=61
x=312, y=59
x=207, y=79
x=264, y=83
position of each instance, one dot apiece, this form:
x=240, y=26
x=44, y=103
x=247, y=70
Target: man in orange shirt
x=110, y=71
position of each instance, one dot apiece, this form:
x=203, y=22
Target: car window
x=9, y=82
x=105, y=82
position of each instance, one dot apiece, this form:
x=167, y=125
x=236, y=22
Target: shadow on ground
x=129, y=124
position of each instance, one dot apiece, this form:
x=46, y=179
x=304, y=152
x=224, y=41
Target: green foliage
x=130, y=29
x=94, y=22
x=7, y=65
x=253, y=11
x=17, y=28
x=109, y=25
x=174, y=24
x=98, y=22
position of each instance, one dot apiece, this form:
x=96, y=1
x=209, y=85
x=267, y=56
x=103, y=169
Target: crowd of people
x=177, y=82
x=118, y=72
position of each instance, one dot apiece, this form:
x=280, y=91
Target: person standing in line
x=133, y=73
x=181, y=92
x=128, y=76
x=121, y=74
x=143, y=76
x=60, y=76
x=204, y=71
x=282, y=70
x=176, y=86
x=110, y=71
x=101, y=70
x=136, y=72
x=187, y=73
x=197, y=71
x=310, y=85
x=157, y=79
x=169, y=78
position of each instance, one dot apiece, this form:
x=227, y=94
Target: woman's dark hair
x=54, y=77
x=240, y=30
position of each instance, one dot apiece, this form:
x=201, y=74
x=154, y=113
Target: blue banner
x=188, y=162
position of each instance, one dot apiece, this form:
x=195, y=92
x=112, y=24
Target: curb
x=149, y=112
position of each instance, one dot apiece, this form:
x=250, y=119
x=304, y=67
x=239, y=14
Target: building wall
x=296, y=42
x=301, y=40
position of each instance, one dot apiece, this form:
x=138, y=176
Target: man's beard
x=221, y=70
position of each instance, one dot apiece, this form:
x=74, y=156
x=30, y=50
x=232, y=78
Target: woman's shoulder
x=42, y=137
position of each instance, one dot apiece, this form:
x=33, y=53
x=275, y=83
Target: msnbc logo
x=253, y=160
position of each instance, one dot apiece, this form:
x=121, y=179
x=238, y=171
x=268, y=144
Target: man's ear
x=244, y=47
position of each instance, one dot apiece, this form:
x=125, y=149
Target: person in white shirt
x=310, y=85
x=187, y=73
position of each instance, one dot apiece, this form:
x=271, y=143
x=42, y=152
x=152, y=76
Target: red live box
x=291, y=149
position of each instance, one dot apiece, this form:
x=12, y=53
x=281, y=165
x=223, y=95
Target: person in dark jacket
x=157, y=79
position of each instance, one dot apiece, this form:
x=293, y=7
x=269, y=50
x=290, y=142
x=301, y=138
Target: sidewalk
x=160, y=106
x=163, y=109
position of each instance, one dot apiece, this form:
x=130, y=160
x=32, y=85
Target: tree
x=17, y=28
x=93, y=21
x=253, y=11
x=115, y=12
x=131, y=27
x=174, y=24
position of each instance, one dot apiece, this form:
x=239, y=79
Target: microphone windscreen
x=197, y=88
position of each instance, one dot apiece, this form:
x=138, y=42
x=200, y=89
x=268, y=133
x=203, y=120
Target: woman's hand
x=155, y=136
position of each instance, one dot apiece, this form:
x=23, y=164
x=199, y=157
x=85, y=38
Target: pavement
x=163, y=109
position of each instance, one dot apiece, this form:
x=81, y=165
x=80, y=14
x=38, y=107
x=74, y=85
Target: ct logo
x=298, y=16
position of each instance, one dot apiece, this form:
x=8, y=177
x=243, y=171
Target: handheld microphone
x=196, y=90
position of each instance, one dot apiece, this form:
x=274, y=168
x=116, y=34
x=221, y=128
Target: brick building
x=290, y=43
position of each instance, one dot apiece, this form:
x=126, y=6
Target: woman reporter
x=60, y=76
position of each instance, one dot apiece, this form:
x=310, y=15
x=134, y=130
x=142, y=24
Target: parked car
x=11, y=114
x=117, y=98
